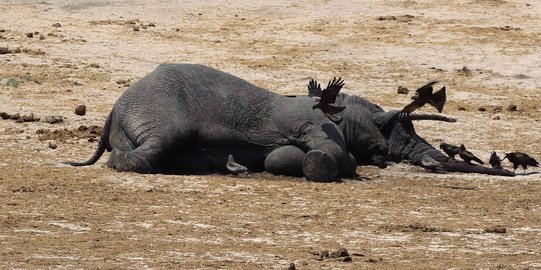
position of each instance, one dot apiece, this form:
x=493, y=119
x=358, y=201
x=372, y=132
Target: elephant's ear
x=337, y=117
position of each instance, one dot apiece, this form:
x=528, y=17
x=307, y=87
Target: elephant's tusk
x=425, y=116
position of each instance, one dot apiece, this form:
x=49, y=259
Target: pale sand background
x=54, y=216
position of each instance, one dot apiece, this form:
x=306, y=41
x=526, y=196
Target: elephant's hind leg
x=143, y=159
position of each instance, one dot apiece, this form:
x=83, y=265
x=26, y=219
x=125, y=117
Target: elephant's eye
x=305, y=129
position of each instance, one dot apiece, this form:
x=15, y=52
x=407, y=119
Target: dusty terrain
x=56, y=55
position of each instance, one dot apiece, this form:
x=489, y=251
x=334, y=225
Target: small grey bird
x=424, y=95
x=519, y=158
x=449, y=149
x=328, y=95
x=234, y=167
x=467, y=156
x=495, y=161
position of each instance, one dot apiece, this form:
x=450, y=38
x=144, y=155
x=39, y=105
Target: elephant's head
x=380, y=138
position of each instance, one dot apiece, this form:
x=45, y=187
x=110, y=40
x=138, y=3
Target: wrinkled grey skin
x=377, y=137
x=184, y=118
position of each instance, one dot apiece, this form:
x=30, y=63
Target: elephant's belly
x=208, y=159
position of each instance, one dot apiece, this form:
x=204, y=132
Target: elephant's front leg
x=286, y=160
x=316, y=165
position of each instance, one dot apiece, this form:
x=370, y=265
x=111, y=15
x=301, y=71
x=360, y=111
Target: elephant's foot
x=128, y=161
x=319, y=166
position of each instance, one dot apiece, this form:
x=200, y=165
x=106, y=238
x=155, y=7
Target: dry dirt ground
x=56, y=55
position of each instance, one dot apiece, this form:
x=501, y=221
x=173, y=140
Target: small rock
x=461, y=108
x=80, y=110
x=5, y=115
x=126, y=83
x=54, y=119
x=496, y=230
x=29, y=35
x=342, y=252
x=29, y=118
x=482, y=109
x=52, y=145
x=136, y=28
x=94, y=65
x=323, y=254
x=15, y=116
x=292, y=266
x=512, y=108
x=347, y=259
x=465, y=71
x=403, y=90
x=41, y=37
x=4, y=50
x=387, y=18
x=57, y=25
x=496, y=117
x=497, y=109
x=82, y=128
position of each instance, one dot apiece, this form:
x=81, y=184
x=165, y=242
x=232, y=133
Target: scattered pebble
x=52, y=145
x=30, y=118
x=90, y=133
x=497, y=109
x=136, y=28
x=54, y=119
x=496, y=117
x=340, y=253
x=462, y=108
x=80, y=110
x=292, y=266
x=18, y=118
x=123, y=82
x=403, y=90
x=15, y=116
x=512, y=108
x=496, y=230
x=481, y=109
x=465, y=71
x=387, y=18
x=29, y=35
x=57, y=25
x=4, y=50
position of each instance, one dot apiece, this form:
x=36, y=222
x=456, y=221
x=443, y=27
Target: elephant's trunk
x=405, y=144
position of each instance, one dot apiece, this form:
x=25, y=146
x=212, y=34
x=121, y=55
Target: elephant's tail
x=103, y=144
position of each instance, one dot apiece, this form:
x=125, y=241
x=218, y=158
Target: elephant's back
x=192, y=85
x=195, y=99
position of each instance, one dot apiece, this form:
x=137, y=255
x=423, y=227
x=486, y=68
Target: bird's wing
x=329, y=94
x=426, y=90
x=471, y=156
x=330, y=110
x=438, y=99
x=414, y=105
x=314, y=88
x=478, y=160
